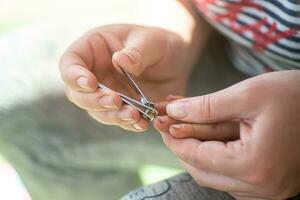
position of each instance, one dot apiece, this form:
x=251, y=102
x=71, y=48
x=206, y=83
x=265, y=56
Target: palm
x=156, y=81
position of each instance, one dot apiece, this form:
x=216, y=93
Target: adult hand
x=261, y=160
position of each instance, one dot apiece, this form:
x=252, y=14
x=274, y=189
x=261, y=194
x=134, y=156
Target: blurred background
x=33, y=35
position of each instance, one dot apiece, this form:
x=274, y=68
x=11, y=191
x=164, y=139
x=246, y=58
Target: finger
x=222, y=131
x=162, y=123
x=227, y=104
x=161, y=106
x=127, y=115
x=78, y=61
x=95, y=101
x=212, y=156
x=172, y=97
x=140, y=126
x=216, y=181
x=79, y=78
x=142, y=49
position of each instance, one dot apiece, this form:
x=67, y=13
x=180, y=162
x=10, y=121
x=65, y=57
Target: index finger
x=78, y=61
x=161, y=106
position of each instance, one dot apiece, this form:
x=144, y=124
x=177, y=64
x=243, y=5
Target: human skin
x=229, y=146
x=244, y=140
x=160, y=58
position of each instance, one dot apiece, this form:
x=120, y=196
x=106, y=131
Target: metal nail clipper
x=144, y=106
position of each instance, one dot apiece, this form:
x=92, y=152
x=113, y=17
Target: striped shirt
x=264, y=34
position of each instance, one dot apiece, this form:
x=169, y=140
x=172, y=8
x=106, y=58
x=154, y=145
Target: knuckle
x=195, y=128
x=249, y=91
x=205, y=106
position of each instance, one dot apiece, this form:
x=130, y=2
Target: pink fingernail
x=83, y=82
x=161, y=120
x=125, y=116
x=137, y=126
x=126, y=58
x=176, y=126
x=178, y=109
x=107, y=101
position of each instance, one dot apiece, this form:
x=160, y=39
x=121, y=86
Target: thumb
x=143, y=48
x=228, y=104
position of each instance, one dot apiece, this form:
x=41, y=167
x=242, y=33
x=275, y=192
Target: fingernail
x=131, y=59
x=125, y=116
x=161, y=120
x=176, y=126
x=126, y=58
x=107, y=101
x=83, y=82
x=171, y=97
x=137, y=126
x=178, y=109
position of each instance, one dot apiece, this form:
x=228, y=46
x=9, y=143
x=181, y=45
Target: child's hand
x=262, y=159
x=159, y=59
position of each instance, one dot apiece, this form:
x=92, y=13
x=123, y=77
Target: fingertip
x=162, y=119
x=141, y=125
x=80, y=78
x=159, y=123
x=127, y=61
x=179, y=109
x=167, y=138
x=161, y=107
x=117, y=100
x=116, y=63
x=168, y=109
x=110, y=101
x=125, y=117
x=156, y=123
x=85, y=84
x=135, y=114
x=172, y=97
x=176, y=130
